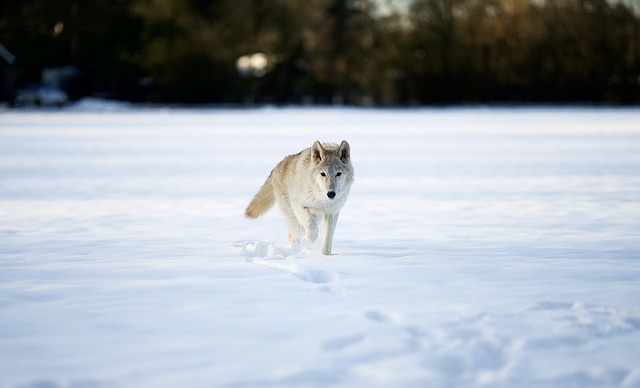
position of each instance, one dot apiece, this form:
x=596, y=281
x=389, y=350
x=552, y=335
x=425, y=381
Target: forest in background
x=361, y=52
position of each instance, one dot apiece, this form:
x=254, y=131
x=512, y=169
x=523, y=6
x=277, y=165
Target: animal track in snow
x=588, y=320
x=340, y=343
x=252, y=250
x=383, y=317
x=319, y=276
x=283, y=257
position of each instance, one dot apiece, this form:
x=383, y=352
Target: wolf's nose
x=331, y=194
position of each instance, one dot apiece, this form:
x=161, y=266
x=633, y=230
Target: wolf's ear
x=344, y=151
x=317, y=152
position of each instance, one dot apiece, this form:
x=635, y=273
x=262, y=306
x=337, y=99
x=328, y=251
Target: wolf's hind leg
x=311, y=232
x=295, y=229
x=308, y=221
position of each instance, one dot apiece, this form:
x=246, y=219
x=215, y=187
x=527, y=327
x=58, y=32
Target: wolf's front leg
x=329, y=223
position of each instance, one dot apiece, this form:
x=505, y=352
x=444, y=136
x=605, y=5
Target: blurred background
x=357, y=52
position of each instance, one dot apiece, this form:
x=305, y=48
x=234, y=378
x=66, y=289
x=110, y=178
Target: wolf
x=316, y=181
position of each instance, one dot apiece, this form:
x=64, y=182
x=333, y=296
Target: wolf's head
x=332, y=168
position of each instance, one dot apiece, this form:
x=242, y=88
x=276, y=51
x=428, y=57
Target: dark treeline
x=329, y=51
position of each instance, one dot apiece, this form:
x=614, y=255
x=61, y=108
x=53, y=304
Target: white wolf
x=313, y=182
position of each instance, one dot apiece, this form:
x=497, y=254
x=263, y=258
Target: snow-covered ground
x=479, y=247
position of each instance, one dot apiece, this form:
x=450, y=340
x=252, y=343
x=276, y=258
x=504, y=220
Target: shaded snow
x=479, y=247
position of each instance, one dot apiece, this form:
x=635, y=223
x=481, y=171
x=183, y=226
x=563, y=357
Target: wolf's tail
x=262, y=202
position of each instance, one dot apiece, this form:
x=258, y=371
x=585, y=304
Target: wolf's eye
x=338, y=174
x=323, y=174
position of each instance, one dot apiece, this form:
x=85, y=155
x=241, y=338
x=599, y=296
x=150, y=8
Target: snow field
x=479, y=247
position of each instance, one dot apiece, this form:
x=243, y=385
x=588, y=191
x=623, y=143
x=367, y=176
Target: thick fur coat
x=314, y=182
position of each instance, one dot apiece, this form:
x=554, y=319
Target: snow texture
x=494, y=247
